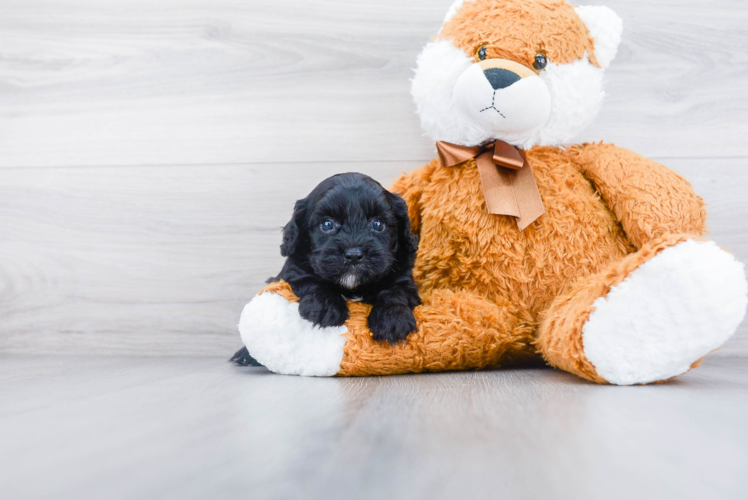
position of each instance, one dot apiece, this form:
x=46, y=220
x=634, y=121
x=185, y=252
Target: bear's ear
x=605, y=28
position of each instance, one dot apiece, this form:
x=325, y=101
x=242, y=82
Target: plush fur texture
x=560, y=335
x=458, y=331
x=276, y=335
x=518, y=29
x=613, y=283
x=465, y=247
x=605, y=28
x=548, y=109
x=666, y=314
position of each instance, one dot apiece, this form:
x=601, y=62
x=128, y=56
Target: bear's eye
x=377, y=225
x=327, y=225
x=481, y=53
x=540, y=62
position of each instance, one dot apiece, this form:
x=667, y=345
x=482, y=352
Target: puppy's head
x=351, y=232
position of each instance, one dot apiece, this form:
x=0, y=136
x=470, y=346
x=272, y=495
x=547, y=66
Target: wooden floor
x=198, y=428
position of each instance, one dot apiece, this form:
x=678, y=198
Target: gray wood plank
x=95, y=83
x=160, y=261
x=199, y=428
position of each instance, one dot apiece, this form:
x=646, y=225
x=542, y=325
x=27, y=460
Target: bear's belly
x=463, y=247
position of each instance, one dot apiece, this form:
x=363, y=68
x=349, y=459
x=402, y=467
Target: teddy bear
x=533, y=248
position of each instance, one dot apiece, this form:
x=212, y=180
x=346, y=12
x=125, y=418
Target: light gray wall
x=151, y=150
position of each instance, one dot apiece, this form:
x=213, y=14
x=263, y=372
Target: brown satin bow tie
x=508, y=182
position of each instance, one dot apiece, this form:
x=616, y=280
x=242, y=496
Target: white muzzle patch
x=513, y=111
x=349, y=281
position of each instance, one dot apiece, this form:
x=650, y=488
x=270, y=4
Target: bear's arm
x=410, y=186
x=648, y=199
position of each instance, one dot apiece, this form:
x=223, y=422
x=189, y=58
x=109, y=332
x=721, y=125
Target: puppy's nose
x=500, y=78
x=354, y=255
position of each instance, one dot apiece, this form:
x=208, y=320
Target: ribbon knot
x=508, y=183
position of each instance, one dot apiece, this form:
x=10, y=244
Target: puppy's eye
x=377, y=225
x=541, y=61
x=327, y=225
x=482, y=53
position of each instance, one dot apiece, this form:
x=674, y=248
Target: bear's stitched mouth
x=493, y=106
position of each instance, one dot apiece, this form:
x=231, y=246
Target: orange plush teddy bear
x=531, y=247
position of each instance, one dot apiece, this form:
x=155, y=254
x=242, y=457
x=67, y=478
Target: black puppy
x=350, y=239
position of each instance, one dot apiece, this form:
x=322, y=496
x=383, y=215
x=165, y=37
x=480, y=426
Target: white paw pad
x=279, y=338
x=671, y=311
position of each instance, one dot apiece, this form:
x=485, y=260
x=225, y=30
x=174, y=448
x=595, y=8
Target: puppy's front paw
x=323, y=309
x=391, y=323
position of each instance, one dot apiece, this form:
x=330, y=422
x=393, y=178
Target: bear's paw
x=669, y=313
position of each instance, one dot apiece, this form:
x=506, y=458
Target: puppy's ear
x=407, y=243
x=292, y=232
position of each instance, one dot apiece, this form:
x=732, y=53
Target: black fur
x=320, y=273
x=242, y=357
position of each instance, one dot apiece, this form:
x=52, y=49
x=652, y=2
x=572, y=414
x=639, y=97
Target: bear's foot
x=669, y=313
x=666, y=307
x=278, y=337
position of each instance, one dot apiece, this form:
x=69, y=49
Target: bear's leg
x=650, y=316
x=456, y=331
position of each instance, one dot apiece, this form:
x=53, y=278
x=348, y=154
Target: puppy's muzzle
x=502, y=73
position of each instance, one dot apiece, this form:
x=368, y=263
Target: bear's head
x=528, y=72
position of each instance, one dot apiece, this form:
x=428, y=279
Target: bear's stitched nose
x=501, y=78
